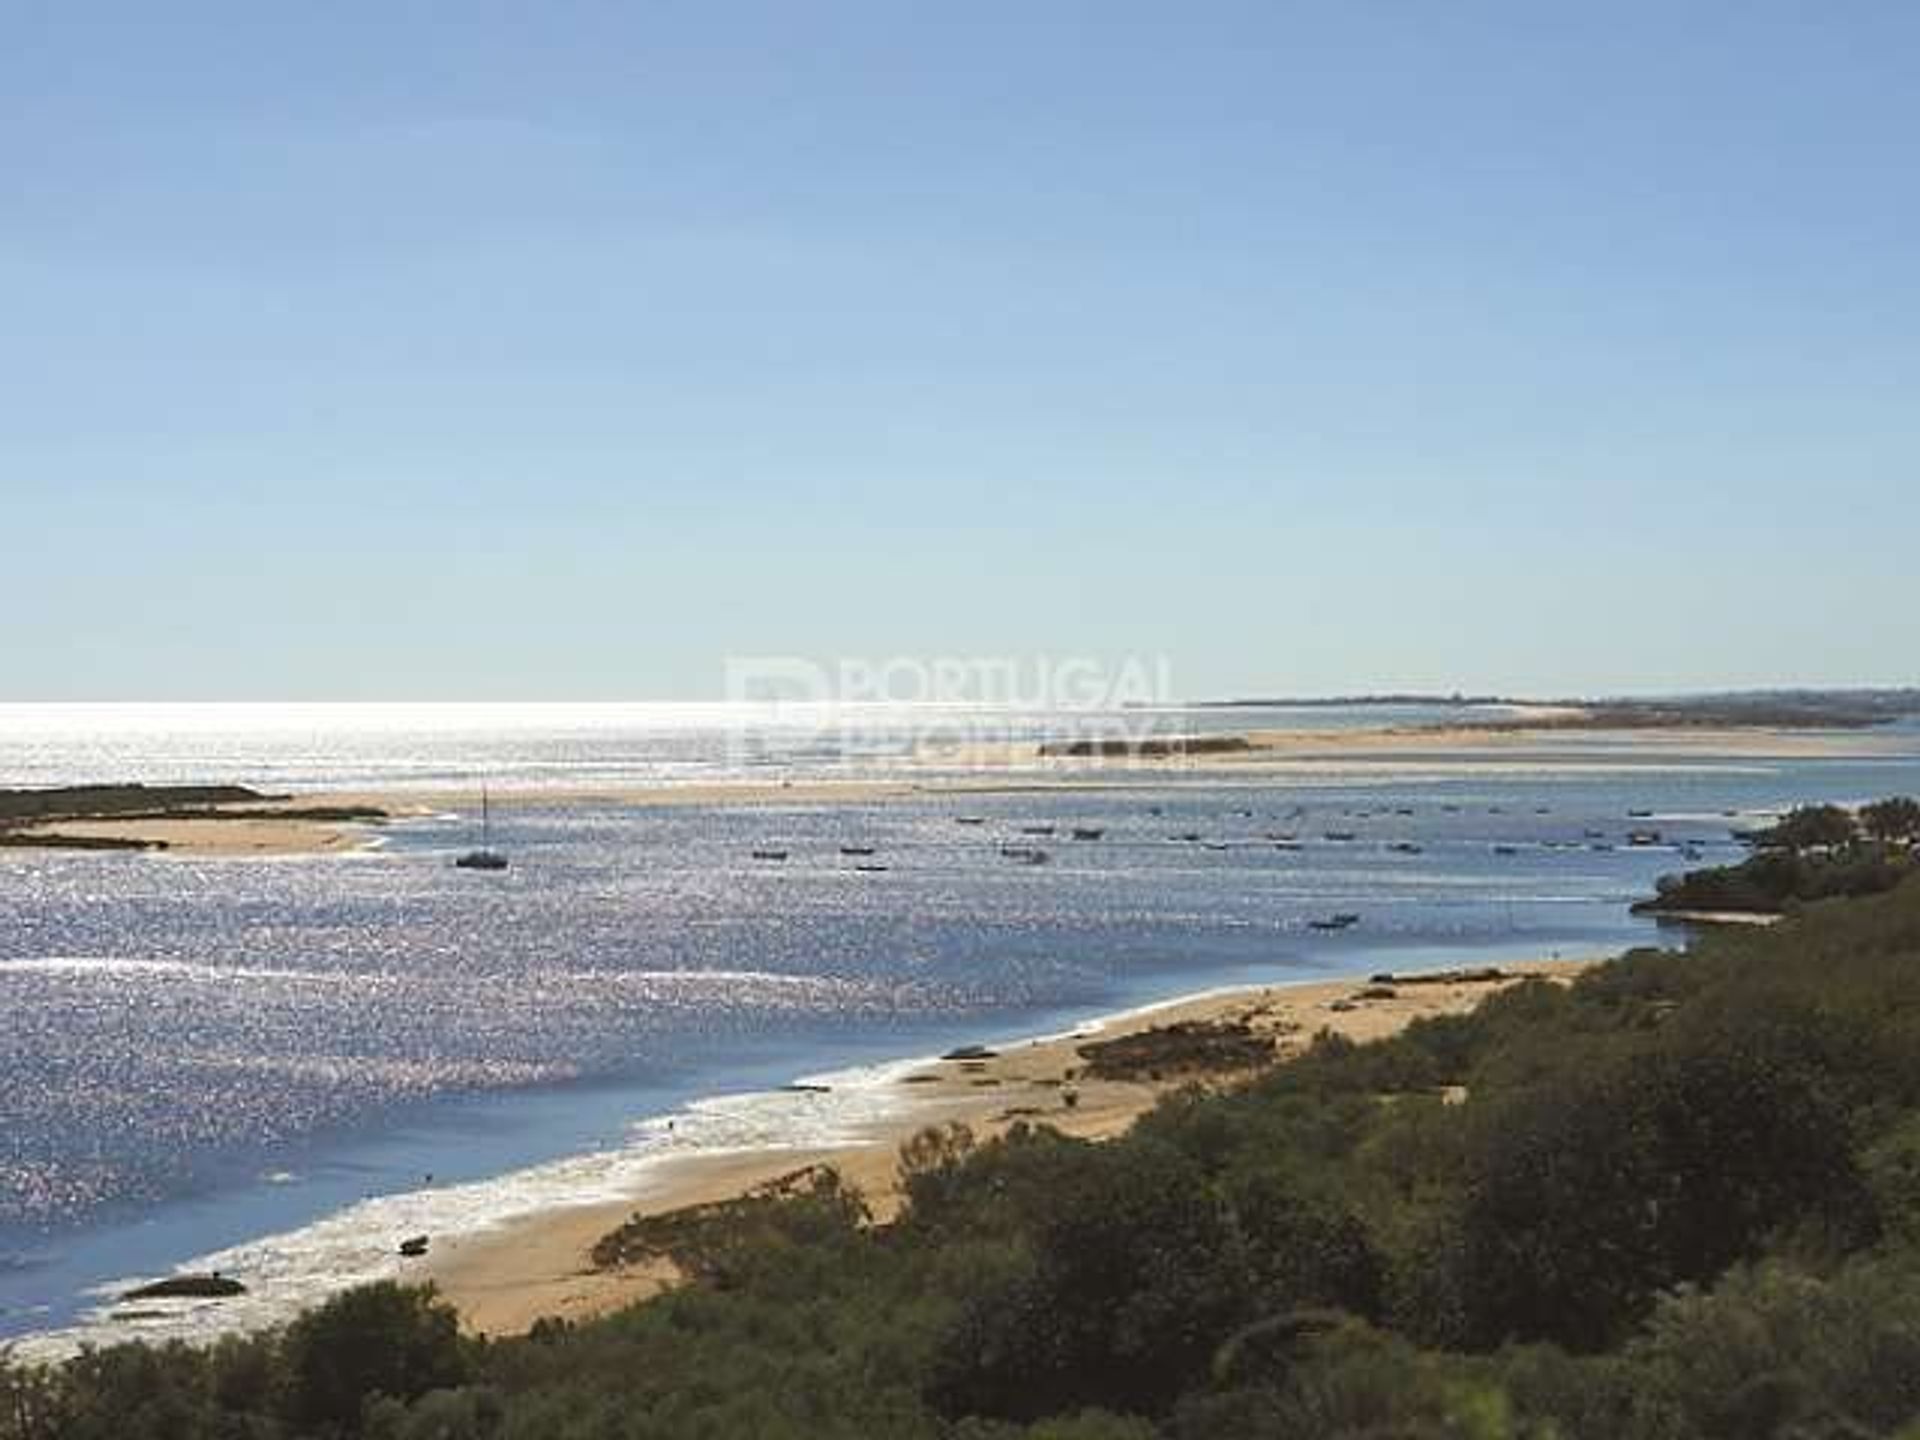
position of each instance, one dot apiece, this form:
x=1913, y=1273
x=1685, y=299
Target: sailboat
x=486, y=857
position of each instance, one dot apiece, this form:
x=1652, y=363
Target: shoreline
x=505, y=1277
x=977, y=771
x=506, y=1269
x=1017, y=768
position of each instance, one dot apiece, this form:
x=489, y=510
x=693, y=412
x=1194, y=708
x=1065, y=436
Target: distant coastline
x=1759, y=709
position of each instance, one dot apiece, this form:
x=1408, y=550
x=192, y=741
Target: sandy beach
x=213, y=837
x=257, y=827
x=503, y=1280
x=1016, y=769
x=984, y=770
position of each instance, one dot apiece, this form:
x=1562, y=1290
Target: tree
x=1895, y=819
x=1812, y=827
x=1593, y=1193
x=378, y=1340
x=1134, y=1280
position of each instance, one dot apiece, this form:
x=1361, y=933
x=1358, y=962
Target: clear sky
x=374, y=349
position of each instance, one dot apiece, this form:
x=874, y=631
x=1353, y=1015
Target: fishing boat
x=486, y=857
x=1087, y=832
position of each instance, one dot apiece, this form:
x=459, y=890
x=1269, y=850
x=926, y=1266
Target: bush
x=1133, y=1279
x=382, y=1339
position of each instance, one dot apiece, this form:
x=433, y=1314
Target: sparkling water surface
x=199, y=1052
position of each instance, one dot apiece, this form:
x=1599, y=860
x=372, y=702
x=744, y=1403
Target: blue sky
x=396, y=350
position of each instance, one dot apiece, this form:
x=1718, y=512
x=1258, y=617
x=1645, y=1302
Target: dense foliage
x=1816, y=852
x=1679, y=1198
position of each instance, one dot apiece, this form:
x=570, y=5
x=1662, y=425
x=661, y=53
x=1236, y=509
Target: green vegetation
x=1155, y=747
x=72, y=802
x=1680, y=1198
x=164, y=802
x=1185, y=1048
x=1817, y=852
x=1895, y=819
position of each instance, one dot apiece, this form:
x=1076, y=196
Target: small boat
x=1286, y=845
x=1216, y=845
x=1281, y=835
x=1087, y=832
x=486, y=857
x=1643, y=838
x=1340, y=837
x=1404, y=847
x=414, y=1246
x=969, y=819
x=769, y=854
x=1037, y=829
x=1639, y=814
x=1343, y=921
x=856, y=849
x=870, y=869
x=1025, y=854
x=1188, y=837
x=1506, y=850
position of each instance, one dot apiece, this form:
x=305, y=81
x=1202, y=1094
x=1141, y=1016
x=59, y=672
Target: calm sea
x=277, y=1066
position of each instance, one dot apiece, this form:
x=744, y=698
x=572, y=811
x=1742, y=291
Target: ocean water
x=276, y=1067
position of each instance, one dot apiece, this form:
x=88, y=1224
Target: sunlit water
x=196, y=1054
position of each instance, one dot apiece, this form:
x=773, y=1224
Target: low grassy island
x=217, y=819
x=1150, y=747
